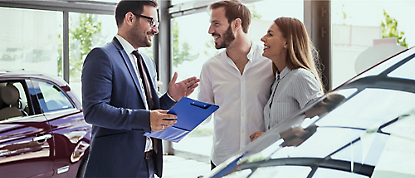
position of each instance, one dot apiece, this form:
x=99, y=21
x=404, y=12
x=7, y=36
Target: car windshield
x=365, y=129
x=340, y=139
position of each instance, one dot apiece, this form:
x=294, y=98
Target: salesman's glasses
x=152, y=22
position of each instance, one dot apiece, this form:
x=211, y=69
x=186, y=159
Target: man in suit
x=120, y=98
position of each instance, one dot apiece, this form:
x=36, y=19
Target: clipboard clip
x=200, y=104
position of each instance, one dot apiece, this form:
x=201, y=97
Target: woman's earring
x=285, y=46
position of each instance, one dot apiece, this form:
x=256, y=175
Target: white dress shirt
x=128, y=48
x=241, y=99
x=294, y=90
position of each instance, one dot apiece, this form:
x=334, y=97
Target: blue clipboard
x=190, y=113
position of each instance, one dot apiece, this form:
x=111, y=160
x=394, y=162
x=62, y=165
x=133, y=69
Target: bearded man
x=238, y=80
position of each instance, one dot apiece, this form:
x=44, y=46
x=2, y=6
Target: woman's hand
x=256, y=135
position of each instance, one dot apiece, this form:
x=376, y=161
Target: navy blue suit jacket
x=113, y=103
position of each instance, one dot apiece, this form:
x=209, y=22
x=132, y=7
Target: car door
x=68, y=127
x=26, y=140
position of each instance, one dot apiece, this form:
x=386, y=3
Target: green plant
x=87, y=27
x=390, y=30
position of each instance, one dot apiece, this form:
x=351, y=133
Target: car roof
x=26, y=75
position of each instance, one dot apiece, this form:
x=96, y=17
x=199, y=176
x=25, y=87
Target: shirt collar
x=250, y=54
x=284, y=72
x=128, y=48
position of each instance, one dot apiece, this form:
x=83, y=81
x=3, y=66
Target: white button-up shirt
x=128, y=48
x=294, y=90
x=241, y=99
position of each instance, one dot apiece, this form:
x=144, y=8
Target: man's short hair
x=125, y=6
x=234, y=9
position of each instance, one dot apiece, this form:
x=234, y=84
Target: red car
x=42, y=128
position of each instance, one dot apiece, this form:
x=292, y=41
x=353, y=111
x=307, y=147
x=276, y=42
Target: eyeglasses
x=152, y=22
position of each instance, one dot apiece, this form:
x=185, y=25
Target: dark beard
x=228, y=38
x=137, y=39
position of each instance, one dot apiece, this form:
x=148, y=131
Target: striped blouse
x=291, y=91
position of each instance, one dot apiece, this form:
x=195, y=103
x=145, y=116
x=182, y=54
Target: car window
x=13, y=100
x=376, y=70
x=370, y=107
x=312, y=147
x=53, y=99
x=397, y=156
x=405, y=71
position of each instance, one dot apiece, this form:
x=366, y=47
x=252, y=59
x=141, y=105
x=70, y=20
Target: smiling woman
x=298, y=81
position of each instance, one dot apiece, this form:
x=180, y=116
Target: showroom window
x=356, y=27
x=86, y=31
x=28, y=40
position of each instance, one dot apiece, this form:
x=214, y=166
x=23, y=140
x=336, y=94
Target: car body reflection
x=45, y=139
x=363, y=128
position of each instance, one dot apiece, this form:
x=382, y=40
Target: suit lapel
x=129, y=66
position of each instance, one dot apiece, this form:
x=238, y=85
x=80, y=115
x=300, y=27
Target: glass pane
x=370, y=107
x=53, y=98
x=29, y=40
x=323, y=142
x=365, y=151
x=266, y=11
x=13, y=100
x=86, y=31
x=354, y=31
x=107, y=1
x=405, y=70
x=323, y=172
x=397, y=157
x=191, y=48
x=281, y=171
x=387, y=64
x=179, y=1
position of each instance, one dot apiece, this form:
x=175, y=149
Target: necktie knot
x=136, y=54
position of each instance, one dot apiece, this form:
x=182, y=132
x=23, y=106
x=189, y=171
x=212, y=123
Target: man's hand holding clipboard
x=190, y=113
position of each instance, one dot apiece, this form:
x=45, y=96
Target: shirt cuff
x=171, y=97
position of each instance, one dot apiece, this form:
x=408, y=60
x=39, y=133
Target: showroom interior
x=54, y=37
